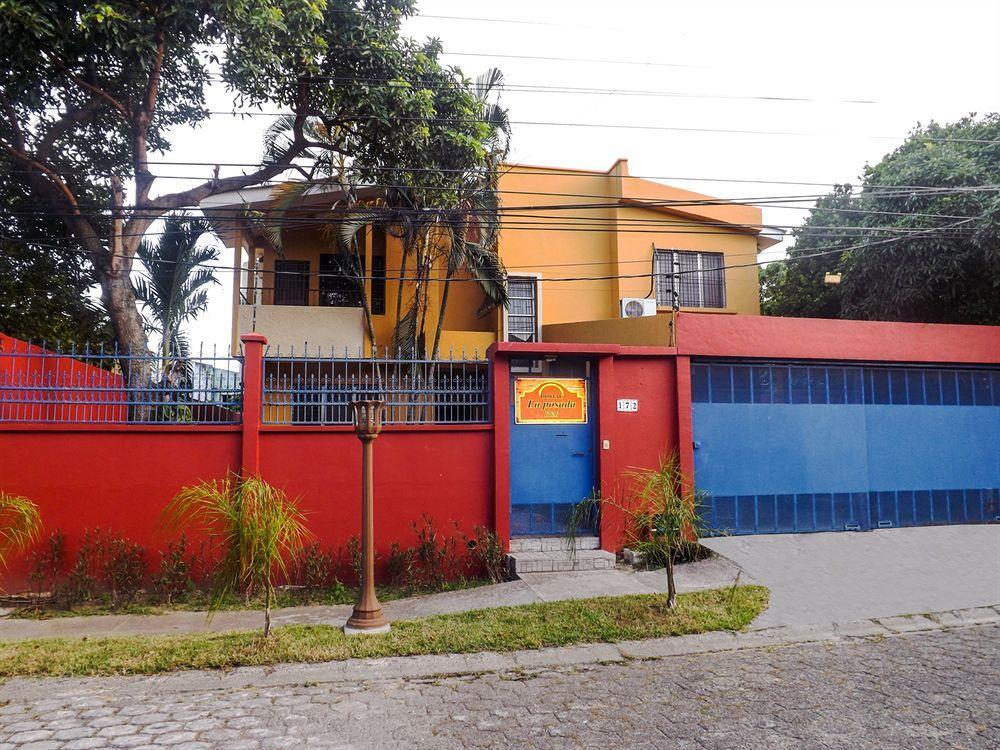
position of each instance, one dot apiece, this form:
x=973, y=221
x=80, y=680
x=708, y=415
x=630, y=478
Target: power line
x=601, y=126
x=526, y=169
x=525, y=220
x=609, y=277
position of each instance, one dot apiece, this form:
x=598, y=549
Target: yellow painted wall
x=542, y=239
x=614, y=240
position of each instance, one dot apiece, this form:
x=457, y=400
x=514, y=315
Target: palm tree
x=437, y=213
x=474, y=223
x=174, y=287
x=20, y=524
x=257, y=526
x=662, y=514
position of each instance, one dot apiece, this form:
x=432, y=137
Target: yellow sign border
x=578, y=385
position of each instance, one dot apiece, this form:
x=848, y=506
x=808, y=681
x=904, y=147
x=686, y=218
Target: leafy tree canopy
x=91, y=89
x=45, y=288
x=925, y=232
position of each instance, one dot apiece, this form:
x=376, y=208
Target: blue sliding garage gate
x=787, y=447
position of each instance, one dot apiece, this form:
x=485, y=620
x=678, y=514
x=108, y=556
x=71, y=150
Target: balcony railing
x=301, y=296
x=319, y=389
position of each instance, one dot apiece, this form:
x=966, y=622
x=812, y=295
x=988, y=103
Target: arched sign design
x=550, y=401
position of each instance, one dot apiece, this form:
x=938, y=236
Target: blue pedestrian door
x=789, y=447
x=552, y=468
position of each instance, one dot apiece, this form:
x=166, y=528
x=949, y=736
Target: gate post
x=500, y=370
x=253, y=398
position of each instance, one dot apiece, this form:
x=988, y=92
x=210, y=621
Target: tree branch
x=65, y=124
x=142, y=119
x=93, y=88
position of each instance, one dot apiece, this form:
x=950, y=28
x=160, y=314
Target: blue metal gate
x=785, y=447
x=552, y=468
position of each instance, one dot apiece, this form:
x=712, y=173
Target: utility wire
x=598, y=125
x=609, y=277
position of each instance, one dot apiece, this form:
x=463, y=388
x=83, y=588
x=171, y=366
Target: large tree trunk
x=120, y=302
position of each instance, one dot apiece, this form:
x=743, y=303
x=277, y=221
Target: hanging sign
x=550, y=401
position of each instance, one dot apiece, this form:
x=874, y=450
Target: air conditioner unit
x=637, y=307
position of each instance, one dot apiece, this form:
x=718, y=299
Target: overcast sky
x=906, y=61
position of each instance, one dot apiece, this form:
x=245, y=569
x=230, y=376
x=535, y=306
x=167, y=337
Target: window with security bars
x=291, y=282
x=689, y=279
x=522, y=309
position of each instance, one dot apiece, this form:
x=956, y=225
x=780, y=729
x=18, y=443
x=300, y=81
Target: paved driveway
x=836, y=577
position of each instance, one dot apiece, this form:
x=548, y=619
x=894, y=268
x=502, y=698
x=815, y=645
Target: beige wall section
x=650, y=331
x=290, y=326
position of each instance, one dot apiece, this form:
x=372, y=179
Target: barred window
x=291, y=282
x=522, y=309
x=697, y=279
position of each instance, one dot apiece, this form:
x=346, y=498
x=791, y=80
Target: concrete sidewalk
x=841, y=576
x=714, y=572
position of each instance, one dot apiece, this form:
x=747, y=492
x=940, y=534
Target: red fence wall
x=122, y=478
x=32, y=387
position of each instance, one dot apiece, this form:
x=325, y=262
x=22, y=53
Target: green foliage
x=48, y=564
x=92, y=88
x=489, y=554
x=436, y=556
x=503, y=629
x=946, y=267
x=314, y=570
x=662, y=513
x=20, y=525
x=174, y=288
x=181, y=572
x=256, y=526
x=106, y=565
x=400, y=565
x=45, y=287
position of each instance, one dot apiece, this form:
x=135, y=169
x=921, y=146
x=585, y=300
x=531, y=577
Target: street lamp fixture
x=367, y=616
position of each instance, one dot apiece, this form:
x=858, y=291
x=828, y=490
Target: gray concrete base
x=348, y=630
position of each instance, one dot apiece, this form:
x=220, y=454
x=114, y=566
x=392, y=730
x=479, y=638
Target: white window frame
x=536, y=278
x=674, y=257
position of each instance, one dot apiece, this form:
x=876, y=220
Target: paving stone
x=921, y=690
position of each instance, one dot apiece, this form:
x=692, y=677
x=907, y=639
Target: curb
x=437, y=666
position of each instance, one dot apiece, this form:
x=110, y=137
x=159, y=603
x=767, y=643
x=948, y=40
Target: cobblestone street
x=928, y=690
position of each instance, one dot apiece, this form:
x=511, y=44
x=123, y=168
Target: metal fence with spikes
x=104, y=385
x=317, y=387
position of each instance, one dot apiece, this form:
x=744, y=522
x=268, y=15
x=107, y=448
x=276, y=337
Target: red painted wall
x=638, y=439
x=701, y=334
x=29, y=387
x=117, y=478
x=121, y=478
x=444, y=472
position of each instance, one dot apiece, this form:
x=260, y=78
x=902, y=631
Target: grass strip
x=529, y=626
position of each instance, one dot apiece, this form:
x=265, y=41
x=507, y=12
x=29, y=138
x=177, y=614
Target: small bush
x=314, y=570
x=106, y=563
x=355, y=560
x=437, y=557
x=401, y=564
x=124, y=568
x=175, y=577
x=48, y=565
x=488, y=554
